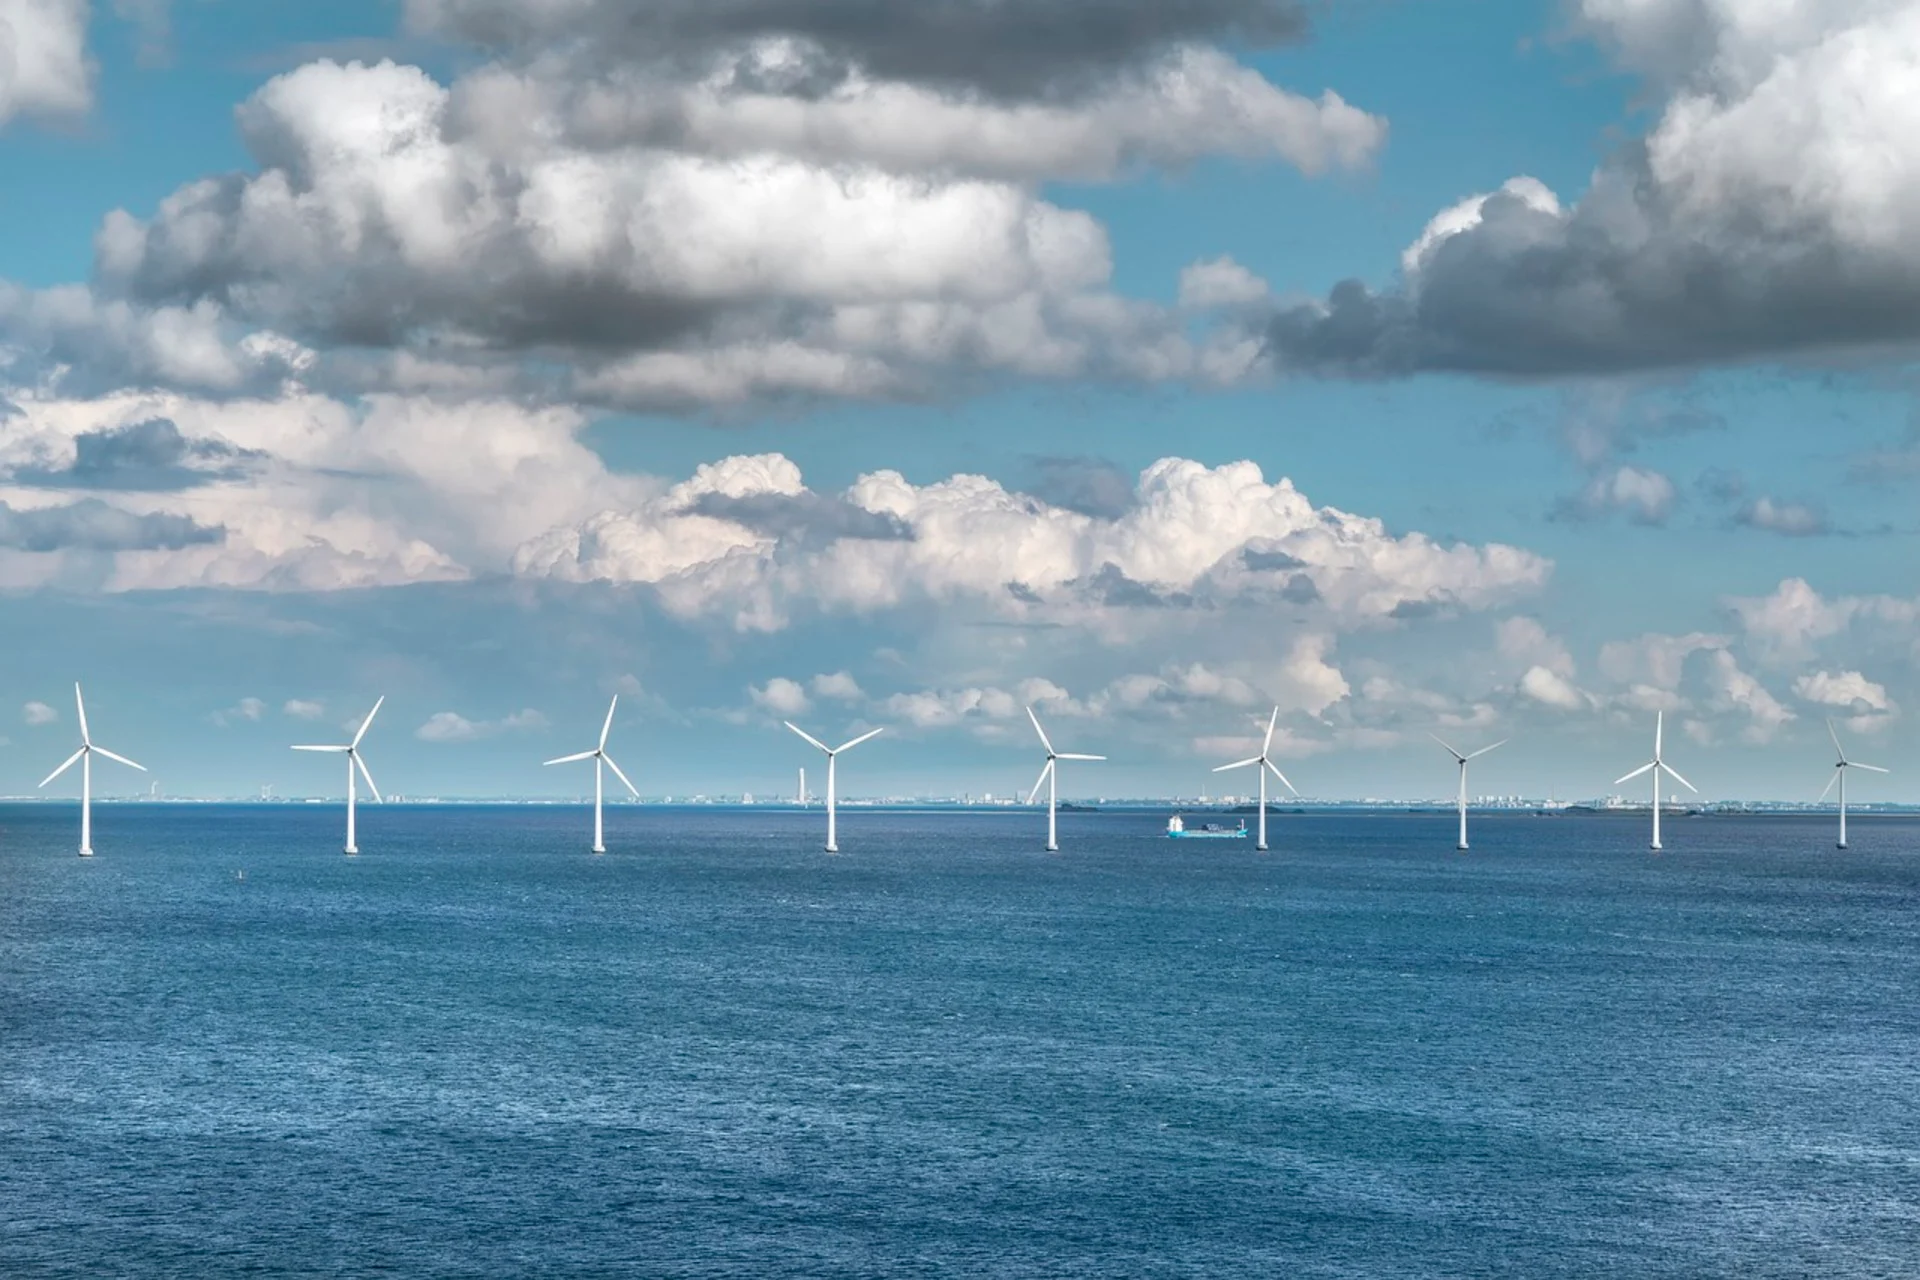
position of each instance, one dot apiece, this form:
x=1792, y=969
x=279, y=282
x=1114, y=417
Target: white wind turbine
x=85, y=756
x=1657, y=766
x=600, y=757
x=833, y=843
x=1050, y=775
x=352, y=751
x=1263, y=764
x=1463, y=778
x=1840, y=776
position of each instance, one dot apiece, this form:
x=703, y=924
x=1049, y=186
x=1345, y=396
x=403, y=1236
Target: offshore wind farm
x=1122, y=552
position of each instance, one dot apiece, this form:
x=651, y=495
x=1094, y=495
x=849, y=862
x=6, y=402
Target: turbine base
x=1259, y=848
x=88, y=853
x=1462, y=846
x=1841, y=845
x=353, y=853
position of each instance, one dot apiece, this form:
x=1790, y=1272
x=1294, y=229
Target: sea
x=478, y=1050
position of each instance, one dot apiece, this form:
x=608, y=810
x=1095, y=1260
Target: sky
x=1488, y=369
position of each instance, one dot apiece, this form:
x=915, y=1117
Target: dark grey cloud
x=1260, y=560
x=1624, y=281
x=1112, y=587
x=152, y=455
x=92, y=525
x=1004, y=48
x=1091, y=486
x=1300, y=589
x=803, y=519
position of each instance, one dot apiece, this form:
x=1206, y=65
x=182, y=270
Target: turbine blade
x=1283, y=777
x=1071, y=755
x=1677, y=778
x=364, y=724
x=68, y=765
x=1828, y=789
x=1443, y=742
x=1240, y=764
x=1659, y=719
x=122, y=759
x=323, y=748
x=578, y=755
x=809, y=737
x=1870, y=768
x=1042, y=732
x=355, y=757
x=1482, y=751
x=80, y=705
x=1838, y=749
x=1636, y=773
x=848, y=746
x=607, y=728
x=623, y=777
x=1032, y=795
x=1266, y=743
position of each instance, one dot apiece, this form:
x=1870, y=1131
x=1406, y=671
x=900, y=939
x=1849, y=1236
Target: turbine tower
x=1463, y=779
x=833, y=843
x=352, y=752
x=599, y=757
x=85, y=756
x=1657, y=766
x=1263, y=764
x=1050, y=775
x=1840, y=776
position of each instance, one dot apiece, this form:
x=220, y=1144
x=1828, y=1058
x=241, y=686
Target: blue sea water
x=476, y=1050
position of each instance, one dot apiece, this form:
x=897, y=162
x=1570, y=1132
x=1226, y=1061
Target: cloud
x=148, y=455
x=1655, y=658
x=839, y=686
x=44, y=68
x=1039, y=49
x=1732, y=689
x=1773, y=211
x=655, y=233
x=450, y=726
x=301, y=709
x=1182, y=543
x=1790, y=623
x=1527, y=642
x=1848, y=690
x=1794, y=519
x=781, y=696
x=1647, y=497
x=38, y=713
x=1220, y=283
x=92, y=525
x=1553, y=690
x=245, y=709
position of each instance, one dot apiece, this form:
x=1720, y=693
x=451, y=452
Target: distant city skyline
x=1520, y=369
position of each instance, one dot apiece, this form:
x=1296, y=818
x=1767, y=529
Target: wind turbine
x=352, y=751
x=1463, y=779
x=85, y=756
x=1657, y=765
x=1263, y=764
x=1050, y=775
x=833, y=844
x=1840, y=776
x=599, y=757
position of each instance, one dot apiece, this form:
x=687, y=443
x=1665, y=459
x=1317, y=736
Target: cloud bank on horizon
x=370, y=360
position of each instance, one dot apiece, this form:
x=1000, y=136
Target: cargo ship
x=1177, y=829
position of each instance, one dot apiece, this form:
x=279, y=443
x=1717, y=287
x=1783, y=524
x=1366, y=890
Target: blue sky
x=771, y=358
